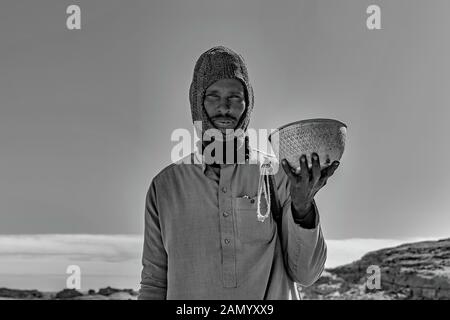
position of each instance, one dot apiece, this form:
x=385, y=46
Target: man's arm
x=154, y=257
x=304, y=247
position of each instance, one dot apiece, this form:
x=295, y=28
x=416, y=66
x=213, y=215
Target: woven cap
x=215, y=64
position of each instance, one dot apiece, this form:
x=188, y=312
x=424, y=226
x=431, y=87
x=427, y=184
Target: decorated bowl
x=326, y=137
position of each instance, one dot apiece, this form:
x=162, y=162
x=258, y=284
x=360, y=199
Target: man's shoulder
x=174, y=167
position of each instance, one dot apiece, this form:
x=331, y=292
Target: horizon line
x=142, y=234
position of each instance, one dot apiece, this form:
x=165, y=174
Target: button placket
x=226, y=228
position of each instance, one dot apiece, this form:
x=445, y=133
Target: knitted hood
x=218, y=63
x=221, y=63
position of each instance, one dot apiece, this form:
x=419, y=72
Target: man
x=203, y=239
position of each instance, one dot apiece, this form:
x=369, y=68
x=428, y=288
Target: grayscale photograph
x=224, y=150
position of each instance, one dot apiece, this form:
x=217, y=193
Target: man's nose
x=224, y=106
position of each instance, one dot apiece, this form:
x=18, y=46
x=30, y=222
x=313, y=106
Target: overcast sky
x=86, y=116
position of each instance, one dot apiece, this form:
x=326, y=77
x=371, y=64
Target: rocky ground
x=418, y=270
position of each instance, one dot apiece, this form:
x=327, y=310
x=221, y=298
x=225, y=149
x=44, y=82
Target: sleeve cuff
x=301, y=222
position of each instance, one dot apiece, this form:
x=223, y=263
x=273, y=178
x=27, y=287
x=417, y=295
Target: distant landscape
x=418, y=270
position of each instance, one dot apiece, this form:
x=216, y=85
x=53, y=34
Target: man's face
x=225, y=103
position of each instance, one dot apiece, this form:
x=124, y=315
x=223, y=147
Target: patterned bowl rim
x=306, y=121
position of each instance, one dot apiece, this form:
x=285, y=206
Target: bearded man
x=209, y=231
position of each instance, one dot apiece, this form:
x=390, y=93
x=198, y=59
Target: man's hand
x=304, y=185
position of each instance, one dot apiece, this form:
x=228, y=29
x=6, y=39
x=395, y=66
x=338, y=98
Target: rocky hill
x=419, y=270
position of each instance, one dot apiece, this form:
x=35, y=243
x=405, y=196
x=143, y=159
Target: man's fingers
x=287, y=168
x=332, y=168
x=329, y=171
x=304, y=171
x=315, y=168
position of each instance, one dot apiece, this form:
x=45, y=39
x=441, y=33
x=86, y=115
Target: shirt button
x=224, y=189
x=227, y=241
x=225, y=214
